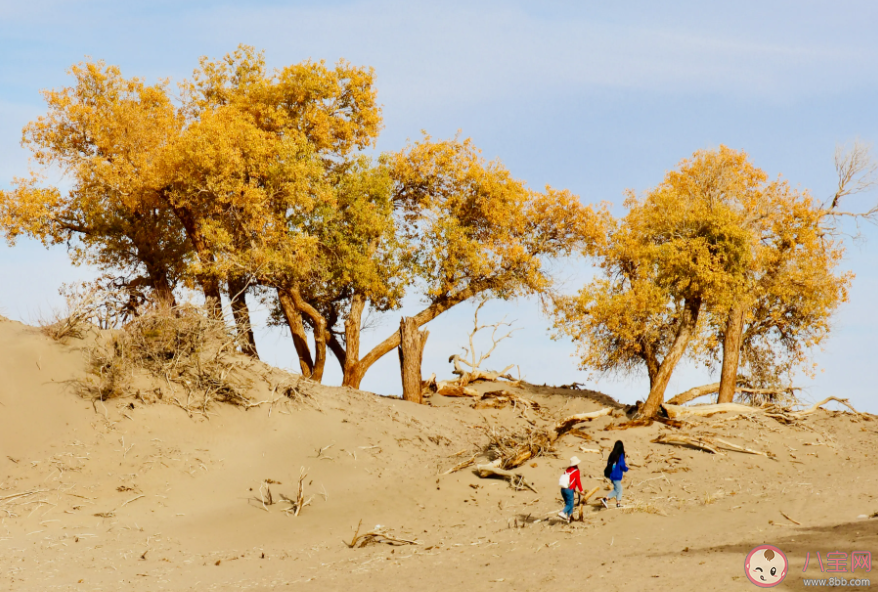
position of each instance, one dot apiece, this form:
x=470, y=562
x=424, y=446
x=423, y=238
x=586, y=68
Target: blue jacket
x=618, y=468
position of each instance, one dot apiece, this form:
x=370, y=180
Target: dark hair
x=618, y=450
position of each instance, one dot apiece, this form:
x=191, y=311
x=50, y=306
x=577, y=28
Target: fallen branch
x=133, y=499
x=796, y=522
x=449, y=389
x=709, y=389
x=707, y=444
x=568, y=422
x=813, y=408
x=677, y=411
x=361, y=540
x=300, y=501
x=736, y=448
x=463, y=465
x=680, y=440
x=516, y=480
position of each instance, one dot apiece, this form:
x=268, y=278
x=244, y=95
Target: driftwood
x=516, y=480
x=568, y=422
x=376, y=536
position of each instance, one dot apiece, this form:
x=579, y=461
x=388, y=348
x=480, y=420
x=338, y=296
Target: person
x=570, y=482
x=616, y=467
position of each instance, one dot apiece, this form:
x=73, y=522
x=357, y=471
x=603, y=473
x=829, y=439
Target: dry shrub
x=73, y=321
x=87, y=306
x=183, y=346
x=515, y=449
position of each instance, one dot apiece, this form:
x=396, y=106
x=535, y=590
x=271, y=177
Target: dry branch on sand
x=567, y=423
x=709, y=389
x=376, y=536
x=777, y=412
x=516, y=479
x=502, y=398
x=710, y=445
x=510, y=450
x=300, y=502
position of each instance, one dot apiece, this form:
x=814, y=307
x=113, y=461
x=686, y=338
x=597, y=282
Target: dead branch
x=706, y=444
x=813, y=408
x=361, y=540
x=447, y=389
x=856, y=170
x=709, y=389
x=300, y=502
x=516, y=480
x=796, y=522
x=510, y=450
x=681, y=440
x=568, y=422
x=463, y=465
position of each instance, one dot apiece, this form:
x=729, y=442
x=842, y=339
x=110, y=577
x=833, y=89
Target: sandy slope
x=143, y=497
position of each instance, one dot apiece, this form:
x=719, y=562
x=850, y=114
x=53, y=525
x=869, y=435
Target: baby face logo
x=766, y=566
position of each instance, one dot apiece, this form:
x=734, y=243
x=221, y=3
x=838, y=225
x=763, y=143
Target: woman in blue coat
x=616, y=467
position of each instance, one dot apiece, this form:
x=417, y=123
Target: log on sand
x=515, y=479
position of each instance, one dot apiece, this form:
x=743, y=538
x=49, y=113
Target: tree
x=470, y=230
x=794, y=289
x=679, y=251
x=103, y=133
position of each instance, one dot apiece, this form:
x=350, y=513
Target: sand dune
x=134, y=496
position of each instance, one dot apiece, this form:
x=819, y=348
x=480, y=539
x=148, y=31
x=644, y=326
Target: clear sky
x=586, y=96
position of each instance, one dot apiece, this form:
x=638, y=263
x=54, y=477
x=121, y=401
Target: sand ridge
x=127, y=495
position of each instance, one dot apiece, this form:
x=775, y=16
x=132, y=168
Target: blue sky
x=594, y=98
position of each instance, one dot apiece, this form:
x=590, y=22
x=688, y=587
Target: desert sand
x=137, y=494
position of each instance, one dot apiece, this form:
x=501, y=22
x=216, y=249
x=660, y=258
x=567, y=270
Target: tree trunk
x=161, y=288
x=297, y=330
x=688, y=321
x=241, y=312
x=731, y=354
x=213, y=300
x=411, y=353
x=352, y=327
x=319, y=329
x=356, y=369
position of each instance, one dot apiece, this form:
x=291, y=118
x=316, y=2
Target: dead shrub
x=184, y=346
x=515, y=449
